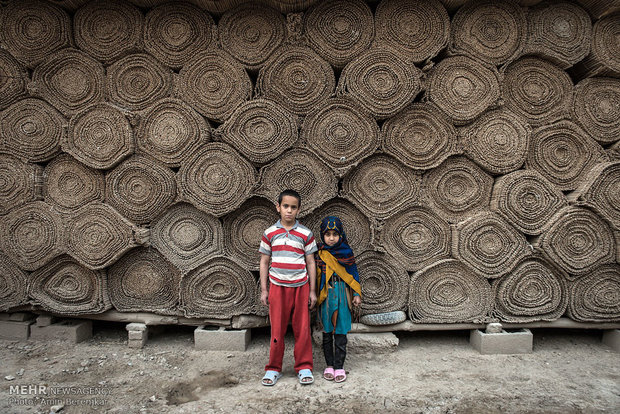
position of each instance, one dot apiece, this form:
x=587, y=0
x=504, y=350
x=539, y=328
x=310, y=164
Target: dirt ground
x=570, y=371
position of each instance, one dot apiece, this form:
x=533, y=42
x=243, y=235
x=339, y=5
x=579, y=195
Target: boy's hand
x=357, y=300
x=312, y=300
x=264, y=297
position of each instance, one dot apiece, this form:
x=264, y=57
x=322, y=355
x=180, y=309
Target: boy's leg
x=301, y=329
x=280, y=304
x=328, y=348
x=341, y=350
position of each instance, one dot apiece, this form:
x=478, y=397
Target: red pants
x=285, y=302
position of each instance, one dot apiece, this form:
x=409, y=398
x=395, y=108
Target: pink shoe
x=328, y=374
x=340, y=375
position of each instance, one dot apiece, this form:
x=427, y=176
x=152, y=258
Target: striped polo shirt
x=288, y=250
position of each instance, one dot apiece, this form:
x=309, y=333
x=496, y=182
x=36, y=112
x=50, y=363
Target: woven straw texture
x=601, y=190
x=596, y=108
x=527, y=200
x=14, y=77
x=142, y=280
x=535, y=290
x=448, y=292
x=69, y=184
x=384, y=283
x=595, y=297
x=20, y=183
x=13, y=284
x=65, y=287
x=604, y=57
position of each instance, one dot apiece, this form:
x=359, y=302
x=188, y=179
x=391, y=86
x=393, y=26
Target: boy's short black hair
x=289, y=192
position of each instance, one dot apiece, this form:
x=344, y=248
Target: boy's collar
x=279, y=224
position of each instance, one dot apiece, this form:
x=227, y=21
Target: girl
x=338, y=276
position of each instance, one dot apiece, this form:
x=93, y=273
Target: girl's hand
x=357, y=300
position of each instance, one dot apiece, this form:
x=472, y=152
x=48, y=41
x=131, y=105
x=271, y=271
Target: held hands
x=357, y=300
x=312, y=300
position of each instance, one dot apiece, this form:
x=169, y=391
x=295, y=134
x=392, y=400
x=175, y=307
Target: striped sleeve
x=310, y=246
x=265, y=244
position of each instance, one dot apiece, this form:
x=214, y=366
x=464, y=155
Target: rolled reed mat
x=527, y=200
x=488, y=244
x=70, y=5
x=260, y=129
x=381, y=82
x=614, y=152
x=595, y=297
x=493, y=31
x=356, y=225
x=303, y=172
x=69, y=184
x=100, y=136
x=186, y=236
x=617, y=235
x=251, y=32
x=290, y=6
x=417, y=28
x=498, y=141
x=384, y=283
x=339, y=30
x=171, y=131
x=66, y=287
x=381, y=186
x=34, y=29
x=107, y=30
x=578, y=241
x=244, y=228
x=537, y=90
x=420, y=136
x=19, y=182
x=216, y=179
x=137, y=81
x=297, y=78
x=219, y=288
x=32, y=235
x=463, y=88
x=175, y=32
x=97, y=235
x=214, y=84
x=604, y=57
x=563, y=153
x=416, y=237
x=599, y=8
x=340, y=133
x=596, y=108
x=457, y=189
x=143, y=281
x=559, y=31
x=32, y=130
x=448, y=292
x=535, y=290
x=13, y=79
x=13, y=284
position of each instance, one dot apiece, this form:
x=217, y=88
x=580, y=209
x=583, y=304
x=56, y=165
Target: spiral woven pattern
x=448, y=292
x=143, y=281
x=297, y=78
x=339, y=30
x=340, y=134
x=65, y=287
x=498, y=141
x=13, y=284
x=384, y=283
x=596, y=296
x=604, y=57
x=563, y=153
x=380, y=82
x=97, y=235
x=596, y=108
x=260, y=129
x=578, y=241
x=19, y=182
x=216, y=179
x=303, y=171
x=527, y=200
x=214, y=84
x=175, y=32
x=601, y=190
x=381, y=186
x=32, y=130
x=537, y=90
x=463, y=88
x=13, y=78
x=33, y=29
x=100, y=136
x=535, y=290
x=251, y=33
x=32, y=235
x=420, y=28
x=491, y=30
x=416, y=237
x=489, y=245
x=220, y=288
x=457, y=189
x=69, y=184
x=106, y=30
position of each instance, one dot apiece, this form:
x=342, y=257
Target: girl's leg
x=341, y=350
x=328, y=348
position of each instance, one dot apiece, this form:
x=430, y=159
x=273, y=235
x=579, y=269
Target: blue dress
x=336, y=301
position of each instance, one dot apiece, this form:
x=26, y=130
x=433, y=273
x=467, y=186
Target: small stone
x=84, y=363
x=494, y=328
x=9, y=378
x=46, y=359
x=153, y=398
x=20, y=372
x=141, y=372
x=229, y=356
x=56, y=408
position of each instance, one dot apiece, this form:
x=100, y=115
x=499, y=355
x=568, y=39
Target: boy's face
x=331, y=237
x=288, y=208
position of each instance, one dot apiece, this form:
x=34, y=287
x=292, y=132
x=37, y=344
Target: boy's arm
x=311, y=267
x=264, y=277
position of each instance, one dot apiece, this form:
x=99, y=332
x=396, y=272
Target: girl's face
x=331, y=237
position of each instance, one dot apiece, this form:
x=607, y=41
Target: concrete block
x=4, y=316
x=15, y=329
x=378, y=342
x=494, y=327
x=46, y=320
x=611, y=338
x=69, y=330
x=134, y=326
x=221, y=339
x=21, y=316
x=514, y=342
x=136, y=335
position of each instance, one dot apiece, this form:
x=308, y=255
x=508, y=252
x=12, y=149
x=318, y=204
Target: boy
x=289, y=247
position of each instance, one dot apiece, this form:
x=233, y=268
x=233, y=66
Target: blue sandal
x=305, y=374
x=272, y=376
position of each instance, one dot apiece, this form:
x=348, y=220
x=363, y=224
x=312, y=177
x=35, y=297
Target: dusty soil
x=570, y=371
